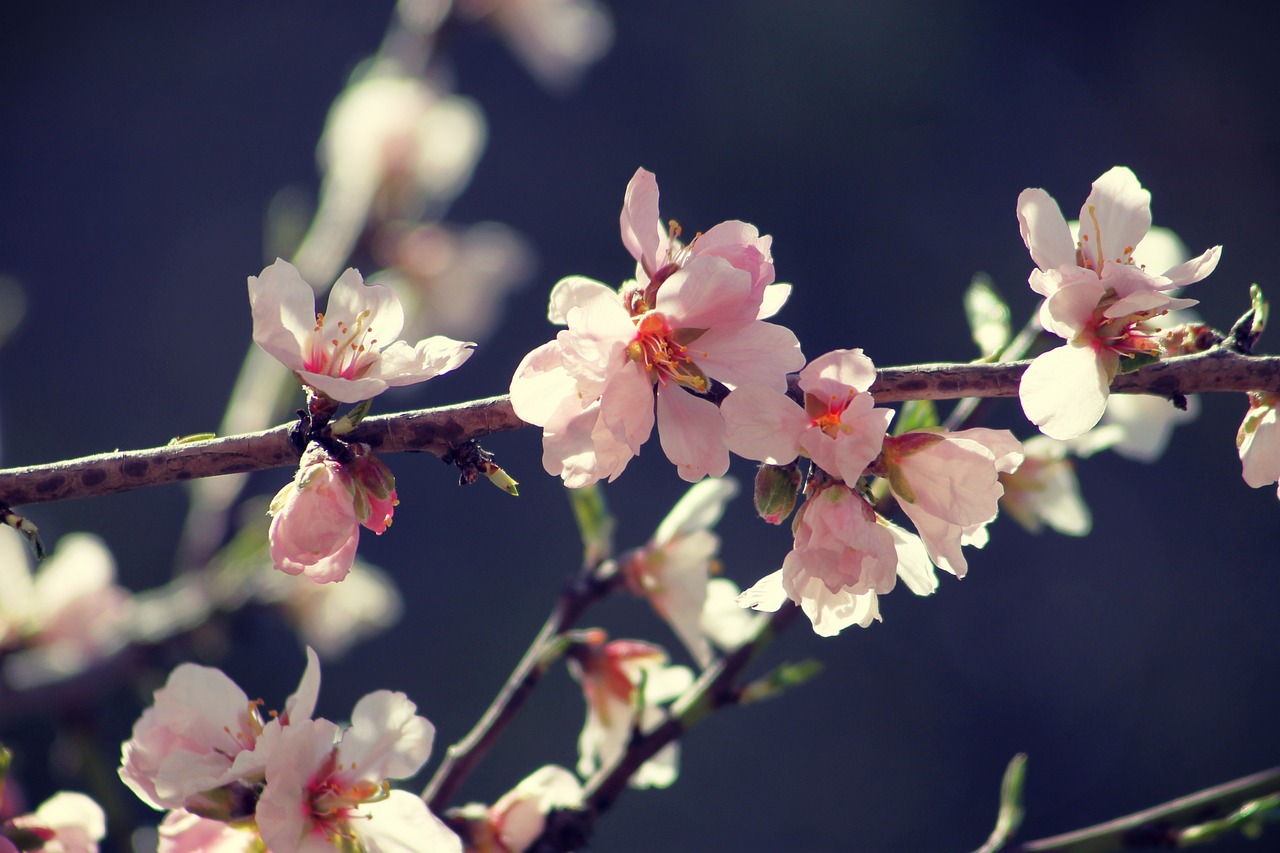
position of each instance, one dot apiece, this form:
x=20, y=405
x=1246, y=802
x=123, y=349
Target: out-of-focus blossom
x=451, y=280
x=1136, y=426
x=67, y=822
x=611, y=674
x=1258, y=441
x=332, y=618
x=724, y=622
x=839, y=427
x=1097, y=298
x=515, y=821
x=845, y=557
x=392, y=147
x=1044, y=490
x=350, y=353
x=184, y=832
x=555, y=39
x=671, y=571
x=691, y=320
x=63, y=617
x=327, y=787
x=203, y=746
x=316, y=518
x=948, y=485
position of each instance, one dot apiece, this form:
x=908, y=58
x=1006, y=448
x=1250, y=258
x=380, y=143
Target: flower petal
x=692, y=434
x=1044, y=230
x=1064, y=391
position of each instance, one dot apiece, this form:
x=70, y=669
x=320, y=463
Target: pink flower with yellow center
x=348, y=353
x=1097, y=298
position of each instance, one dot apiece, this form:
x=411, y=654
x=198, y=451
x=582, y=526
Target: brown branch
x=437, y=430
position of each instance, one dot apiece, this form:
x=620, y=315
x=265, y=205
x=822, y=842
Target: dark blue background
x=883, y=146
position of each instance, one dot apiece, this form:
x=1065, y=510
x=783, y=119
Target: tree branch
x=440, y=429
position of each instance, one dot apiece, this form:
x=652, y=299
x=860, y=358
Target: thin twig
x=1158, y=826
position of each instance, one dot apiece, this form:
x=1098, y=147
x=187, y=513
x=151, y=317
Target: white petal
x=1064, y=391
x=1044, y=230
x=1122, y=209
x=699, y=509
x=574, y=291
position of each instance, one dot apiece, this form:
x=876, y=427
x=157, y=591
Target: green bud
x=777, y=488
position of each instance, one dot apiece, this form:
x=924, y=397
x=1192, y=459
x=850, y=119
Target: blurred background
x=883, y=145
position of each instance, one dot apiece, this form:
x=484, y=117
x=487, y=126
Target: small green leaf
x=1009, y=818
x=188, y=439
x=915, y=414
x=352, y=419
x=988, y=315
x=778, y=681
x=595, y=523
x=1137, y=362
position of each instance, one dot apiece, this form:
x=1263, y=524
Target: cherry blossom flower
x=845, y=557
x=838, y=427
x=691, y=321
x=518, y=818
x=316, y=518
x=393, y=146
x=672, y=570
x=948, y=484
x=1044, y=489
x=726, y=624
x=327, y=787
x=349, y=353
x=611, y=674
x=67, y=822
x=1258, y=441
x=202, y=745
x=57, y=621
x=1097, y=298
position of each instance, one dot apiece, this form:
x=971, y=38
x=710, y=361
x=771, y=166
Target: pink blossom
x=316, y=518
x=660, y=342
x=202, y=738
x=67, y=822
x=845, y=557
x=838, y=427
x=184, y=832
x=948, y=485
x=1096, y=298
x=610, y=674
x=672, y=570
x=326, y=786
x=516, y=820
x=1044, y=489
x=1258, y=441
x=349, y=353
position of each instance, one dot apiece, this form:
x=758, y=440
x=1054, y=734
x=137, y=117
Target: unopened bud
x=372, y=475
x=777, y=488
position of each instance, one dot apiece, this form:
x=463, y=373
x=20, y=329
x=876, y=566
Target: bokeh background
x=883, y=146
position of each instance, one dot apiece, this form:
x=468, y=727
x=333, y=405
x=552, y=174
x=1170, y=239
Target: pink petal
x=691, y=431
x=763, y=424
x=284, y=312
x=750, y=353
x=1195, y=269
x=351, y=296
x=706, y=292
x=1122, y=209
x=642, y=231
x=540, y=384
x=573, y=291
x=842, y=368
x=1064, y=391
x=1044, y=230
x=626, y=408
x=1070, y=309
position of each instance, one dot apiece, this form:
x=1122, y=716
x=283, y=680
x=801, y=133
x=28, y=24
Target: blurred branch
x=1162, y=826
x=441, y=429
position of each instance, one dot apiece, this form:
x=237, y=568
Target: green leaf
x=1260, y=310
x=1137, y=362
x=988, y=315
x=1009, y=818
x=915, y=414
x=352, y=419
x=595, y=523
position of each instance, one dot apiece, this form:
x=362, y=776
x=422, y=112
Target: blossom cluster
x=234, y=780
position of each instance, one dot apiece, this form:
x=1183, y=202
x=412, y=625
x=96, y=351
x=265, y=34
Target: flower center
x=1129, y=335
x=664, y=352
x=825, y=415
x=333, y=801
x=342, y=350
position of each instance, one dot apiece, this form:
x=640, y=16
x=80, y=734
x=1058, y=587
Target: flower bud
x=776, y=490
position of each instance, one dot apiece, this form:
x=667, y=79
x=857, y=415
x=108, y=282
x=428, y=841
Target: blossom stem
x=1163, y=825
x=441, y=429
x=462, y=757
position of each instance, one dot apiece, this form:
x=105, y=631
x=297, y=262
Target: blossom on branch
x=845, y=557
x=1097, y=298
x=350, y=352
x=316, y=519
x=693, y=316
x=1258, y=441
x=1044, y=489
x=625, y=682
x=518, y=818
